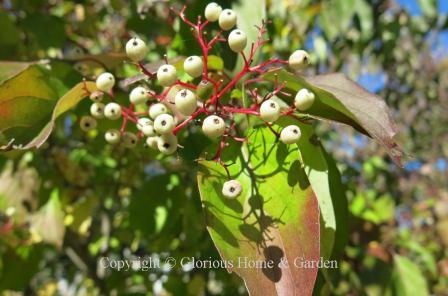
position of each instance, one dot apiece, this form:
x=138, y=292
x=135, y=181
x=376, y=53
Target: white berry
x=164, y=124
x=138, y=95
x=112, y=136
x=232, y=189
x=290, y=134
x=129, y=140
x=237, y=40
x=167, y=144
x=136, y=49
x=299, y=59
x=212, y=12
x=142, y=122
x=186, y=102
x=304, y=99
x=87, y=123
x=157, y=109
x=166, y=75
x=213, y=126
x=96, y=96
x=227, y=19
x=193, y=66
x=148, y=130
x=97, y=110
x=105, y=82
x=269, y=111
x=152, y=142
x=112, y=111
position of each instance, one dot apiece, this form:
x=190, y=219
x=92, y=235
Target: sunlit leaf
x=326, y=183
x=250, y=14
x=275, y=219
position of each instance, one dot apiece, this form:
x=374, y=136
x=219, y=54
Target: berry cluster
x=204, y=98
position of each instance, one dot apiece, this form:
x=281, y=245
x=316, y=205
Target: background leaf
x=408, y=279
x=250, y=14
x=48, y=222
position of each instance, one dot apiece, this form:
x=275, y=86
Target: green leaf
x=424, y=255
x=342, y=100
x=336, y=17
x=276, y=218
x=10, y=34
x=250, y=14
x=326, y=182
x=428, y=7
x=19, y=266
x=215, y=63
x=408, y=279
x=46, y=30
x=365, y=13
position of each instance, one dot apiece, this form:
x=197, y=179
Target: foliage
x=75, y=200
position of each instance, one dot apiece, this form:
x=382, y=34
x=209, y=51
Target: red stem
x=190, y=118
x=251, y=111
x=187, y=85
x=145, y=71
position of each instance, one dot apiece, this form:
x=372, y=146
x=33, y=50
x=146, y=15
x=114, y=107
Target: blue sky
x=413, y=7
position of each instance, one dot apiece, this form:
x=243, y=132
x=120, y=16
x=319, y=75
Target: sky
x=375, y=81
x=414, y=9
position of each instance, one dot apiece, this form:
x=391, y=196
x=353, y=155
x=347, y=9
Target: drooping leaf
x=65, y=103
x=28, y=94
x=408, y=279
x=342, y=100
x=28, y=81
x=106, y=60
x=11, y=69
x=275, y=219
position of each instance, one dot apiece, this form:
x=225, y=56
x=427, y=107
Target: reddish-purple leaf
x=342, y=100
